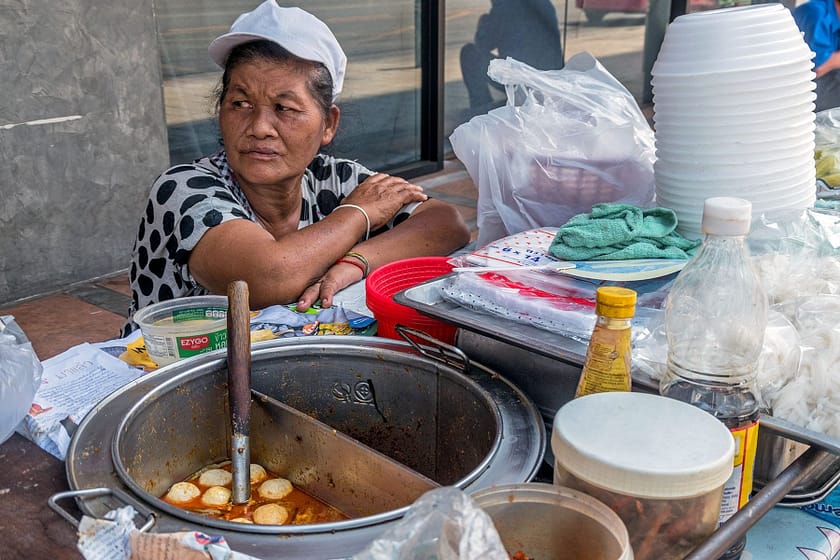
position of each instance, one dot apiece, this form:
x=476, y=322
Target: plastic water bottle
x=715, y=318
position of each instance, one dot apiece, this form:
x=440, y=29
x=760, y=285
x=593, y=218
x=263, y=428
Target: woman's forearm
x=434, y=228
x=279, y=270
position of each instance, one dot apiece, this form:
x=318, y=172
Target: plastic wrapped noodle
x=809, y=395
x=650, y=347
x=787, y=277
x=498, y=295
x=780, y=357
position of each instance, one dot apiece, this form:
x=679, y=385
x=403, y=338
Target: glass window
x=624, y=35
x=611, y=30
x=380, y=103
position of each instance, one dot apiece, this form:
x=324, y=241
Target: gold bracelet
x=361, y=258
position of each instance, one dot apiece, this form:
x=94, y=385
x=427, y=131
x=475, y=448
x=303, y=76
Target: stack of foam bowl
x=733, y=100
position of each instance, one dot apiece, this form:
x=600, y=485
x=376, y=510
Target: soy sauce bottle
x=608, y=357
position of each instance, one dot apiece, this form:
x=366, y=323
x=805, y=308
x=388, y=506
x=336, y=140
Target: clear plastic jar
x=659, y=463
x=183, y=327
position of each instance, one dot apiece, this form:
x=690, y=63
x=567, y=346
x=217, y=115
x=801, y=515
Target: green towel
x=621, y=232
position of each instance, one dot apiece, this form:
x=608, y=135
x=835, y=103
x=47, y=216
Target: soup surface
x=273, y=500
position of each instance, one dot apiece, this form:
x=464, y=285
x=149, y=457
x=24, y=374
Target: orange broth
x=303, y=508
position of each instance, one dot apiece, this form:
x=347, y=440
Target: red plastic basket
x=387, y=280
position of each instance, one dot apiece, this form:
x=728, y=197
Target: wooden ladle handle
x=239, y=387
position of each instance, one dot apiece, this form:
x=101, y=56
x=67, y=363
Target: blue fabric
x=786, y=533
x=820, y=24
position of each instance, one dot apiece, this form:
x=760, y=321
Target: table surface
x=29, y=476
x=30, y=529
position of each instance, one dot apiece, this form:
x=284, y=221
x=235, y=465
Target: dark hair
x=319, y=81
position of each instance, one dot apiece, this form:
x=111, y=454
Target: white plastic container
x=548, y=521
x=180, y=328
x=659, y=463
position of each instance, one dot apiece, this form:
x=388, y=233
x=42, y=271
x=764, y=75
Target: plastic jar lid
x=642, y=445
x=211, y=311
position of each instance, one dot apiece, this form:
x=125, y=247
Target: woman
x=296, y=225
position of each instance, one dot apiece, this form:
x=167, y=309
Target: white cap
x=642, y=445
x=723, y=215
x=296, y=30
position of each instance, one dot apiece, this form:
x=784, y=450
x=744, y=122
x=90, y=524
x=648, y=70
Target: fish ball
x=275, y=488
x=271, y=514
x=257, y=473
x=216, y=496
x=183, y=492
x=215, y=477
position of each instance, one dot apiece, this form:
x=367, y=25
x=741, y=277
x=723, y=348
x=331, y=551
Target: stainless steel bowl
x=454, y=422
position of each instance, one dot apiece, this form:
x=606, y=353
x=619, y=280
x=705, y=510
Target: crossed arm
x=301, y=266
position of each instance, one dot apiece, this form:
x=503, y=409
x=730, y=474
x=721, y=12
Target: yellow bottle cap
x=615, y=302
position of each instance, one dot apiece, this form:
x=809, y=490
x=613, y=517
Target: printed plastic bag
x=20, y=375
x=444, y=524
x=566, y=140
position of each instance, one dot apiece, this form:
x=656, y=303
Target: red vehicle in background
x=595, y=10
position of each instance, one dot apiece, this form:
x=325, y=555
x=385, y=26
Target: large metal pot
x=454, y=422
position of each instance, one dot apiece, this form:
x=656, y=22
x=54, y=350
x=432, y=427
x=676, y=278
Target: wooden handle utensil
x=239, y=388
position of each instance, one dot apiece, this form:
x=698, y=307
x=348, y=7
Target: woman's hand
x=338, y=276
x=383, y=195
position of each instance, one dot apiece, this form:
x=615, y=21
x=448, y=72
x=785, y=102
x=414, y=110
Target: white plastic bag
x=567, y=139
x=444, y=524
x=20, y=376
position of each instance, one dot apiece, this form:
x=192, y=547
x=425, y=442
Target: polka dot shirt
x=189, y=199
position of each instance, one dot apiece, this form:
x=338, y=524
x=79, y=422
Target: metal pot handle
x=151, y=518
x=440, y=351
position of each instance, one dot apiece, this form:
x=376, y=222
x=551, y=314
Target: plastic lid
x=642, y=445
x=199, y=315
x=723, y=215
x=613, y=301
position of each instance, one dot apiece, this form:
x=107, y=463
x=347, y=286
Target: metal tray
x=530, y=355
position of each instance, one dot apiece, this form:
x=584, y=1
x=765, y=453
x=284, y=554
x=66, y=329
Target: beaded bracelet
x=361, y=258
x=364, y=213
x=357, y=264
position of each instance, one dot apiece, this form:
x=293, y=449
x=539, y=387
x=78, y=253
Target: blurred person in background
x=820, y=24
x=526, y=30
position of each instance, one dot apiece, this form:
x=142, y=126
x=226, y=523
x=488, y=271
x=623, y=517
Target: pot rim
x=89, y=461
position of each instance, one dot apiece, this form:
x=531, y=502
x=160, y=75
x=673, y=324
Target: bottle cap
x=615, y=302
x=723, y=215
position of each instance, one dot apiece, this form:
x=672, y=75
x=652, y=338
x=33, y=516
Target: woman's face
x=271, y=125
